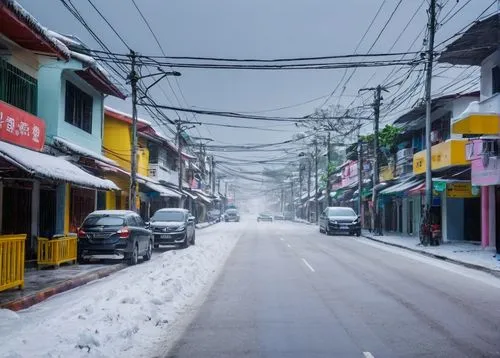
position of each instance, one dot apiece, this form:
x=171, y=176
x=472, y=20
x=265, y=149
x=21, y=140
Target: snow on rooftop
x=48, y=166
x=61, y=142
x=35, y=25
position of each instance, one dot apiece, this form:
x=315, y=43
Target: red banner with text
x=21, y=128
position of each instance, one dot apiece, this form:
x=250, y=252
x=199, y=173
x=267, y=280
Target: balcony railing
x=159, y=173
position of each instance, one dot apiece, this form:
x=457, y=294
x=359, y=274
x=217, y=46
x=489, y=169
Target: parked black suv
x=173, y=227
x=114, y=234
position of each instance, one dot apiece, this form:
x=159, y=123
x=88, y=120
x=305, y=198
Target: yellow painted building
x=117, y=145
x=443, y=155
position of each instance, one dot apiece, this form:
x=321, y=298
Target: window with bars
x=78, y=108
x=17, y=88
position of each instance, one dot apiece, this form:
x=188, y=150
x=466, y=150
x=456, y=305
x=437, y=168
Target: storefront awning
x=50, y=167
x=190, y=194
x=160, y=189
x=202, y=196
x=401, y=187
x=67, y=146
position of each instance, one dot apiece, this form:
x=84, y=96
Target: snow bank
x=124, y=315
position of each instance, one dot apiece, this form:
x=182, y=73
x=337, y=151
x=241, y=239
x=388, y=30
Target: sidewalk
x=206, y=224
x=41, y=284
x=463, y=253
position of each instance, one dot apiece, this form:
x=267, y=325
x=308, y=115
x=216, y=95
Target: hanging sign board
x=460, y=190
x=21, y=128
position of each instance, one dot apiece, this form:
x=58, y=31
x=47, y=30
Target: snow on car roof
x=173, y=209
x=112, y=212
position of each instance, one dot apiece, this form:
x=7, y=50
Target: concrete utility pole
x=308, y=186
x=212, y=174
x=133, y=78
x=328, y=189
x=292, y=201
x=316, y=202
x=428, y=123
x=179, y=158
x=360, y=174
x=375, y=219
x=300, y=187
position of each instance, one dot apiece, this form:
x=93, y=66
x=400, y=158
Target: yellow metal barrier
x=57, y=251
x=12, y=261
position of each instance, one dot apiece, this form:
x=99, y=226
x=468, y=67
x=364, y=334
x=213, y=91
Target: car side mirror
x=147, y=224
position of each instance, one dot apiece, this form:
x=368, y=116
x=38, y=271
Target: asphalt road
x=289, y=291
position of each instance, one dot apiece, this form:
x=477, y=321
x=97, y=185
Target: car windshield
x=341, y=212
x=106, y=220
x=168, y=216
x=232, y=211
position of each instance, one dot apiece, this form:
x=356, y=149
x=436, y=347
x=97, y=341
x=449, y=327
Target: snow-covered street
x=125, y=314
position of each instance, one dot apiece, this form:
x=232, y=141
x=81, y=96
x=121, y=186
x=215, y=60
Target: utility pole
x=360, y=174
x=328, y=189
x=428, y=88
x=376, y=159
x=180, y=166
x=212, y=184
x=375, y=220
x=316, y=216
x=292, y=198
x=309, y=187
x=133, y=78
x=300, y=188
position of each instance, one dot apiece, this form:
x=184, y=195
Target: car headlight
x=334, y=222
x=181, y=228
x=355, y=221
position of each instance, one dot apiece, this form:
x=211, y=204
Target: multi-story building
x=480, y=121
x=50, y=124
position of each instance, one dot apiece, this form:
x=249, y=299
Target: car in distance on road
x=279, y=217
x=265, y=217
x=231, y=215
x=172, y=226
x=339, y=219
x=119, y=234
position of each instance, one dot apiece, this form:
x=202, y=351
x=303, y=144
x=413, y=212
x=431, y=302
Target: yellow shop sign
x=443, y=155
x=459, y=190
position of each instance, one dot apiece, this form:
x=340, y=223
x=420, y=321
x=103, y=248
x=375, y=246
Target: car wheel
x=185, y=243
x=193, y=240
x=82, y=260
x=320, y=230
x=327, y=231
x=358, y=233
x=156, y=246
x=149, y=252
x=132, y=260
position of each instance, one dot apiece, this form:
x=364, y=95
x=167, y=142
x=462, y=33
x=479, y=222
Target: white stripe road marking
x=368, y=355
x=308, y=265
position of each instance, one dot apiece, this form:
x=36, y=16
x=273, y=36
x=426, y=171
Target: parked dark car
x=114, y=234
x=339, y=220
x=231, y=215
x=265, y=217
x=173, y=227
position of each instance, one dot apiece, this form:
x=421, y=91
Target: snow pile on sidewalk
x=465, y=252
x=124, y=315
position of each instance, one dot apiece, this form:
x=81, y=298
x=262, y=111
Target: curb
x=209, y=224
x=37, y=297
x=495, y=273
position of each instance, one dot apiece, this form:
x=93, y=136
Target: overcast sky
x=259, y=29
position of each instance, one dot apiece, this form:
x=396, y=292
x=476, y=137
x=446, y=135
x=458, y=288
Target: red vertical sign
x=21, y=128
